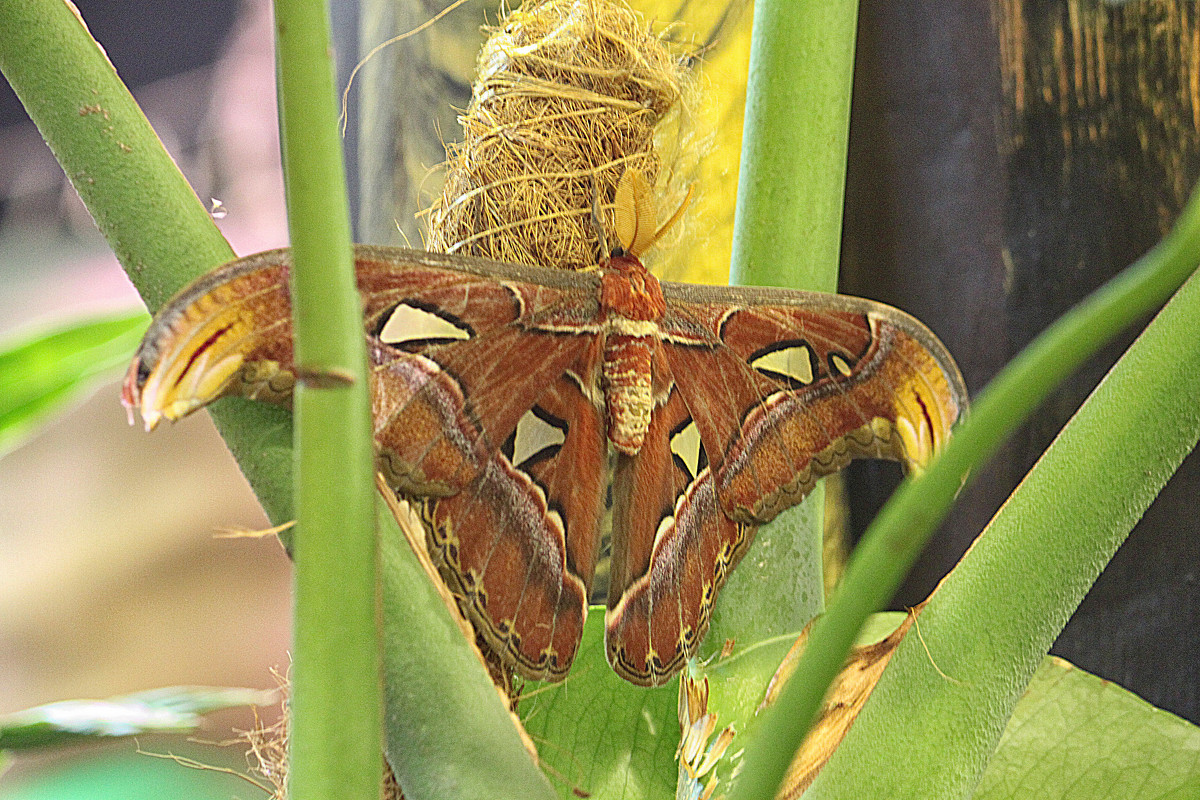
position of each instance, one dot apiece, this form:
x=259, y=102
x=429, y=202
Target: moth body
x=632, y=304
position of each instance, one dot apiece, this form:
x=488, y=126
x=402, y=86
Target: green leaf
x=736, y=687
x=778, y=587
x=172, y=709
x=597, y=733
x=201, y=773
x=42, y=374
x=1074, y=735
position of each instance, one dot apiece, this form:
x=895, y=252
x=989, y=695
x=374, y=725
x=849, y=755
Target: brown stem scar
x=324, y=377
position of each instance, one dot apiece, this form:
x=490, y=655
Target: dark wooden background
x=1005, y=162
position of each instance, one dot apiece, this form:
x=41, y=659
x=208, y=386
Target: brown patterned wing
x=518, y=546
x=673, y=553
x=488, y=409
x=815, y=379
x=771, y=390
x=228, y=333
x=441, y=329
x=479, y=411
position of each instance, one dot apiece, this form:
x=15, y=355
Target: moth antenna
x=638, y=203
x=627, y=208
x=636, y=214
x=683, y=204
x=598, y=222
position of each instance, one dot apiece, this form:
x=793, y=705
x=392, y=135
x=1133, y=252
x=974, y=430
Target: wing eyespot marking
x=791, y=362
x=665, y=526
x=539, y=435
x=839, y=365
x=412, y=325
x=687, y=450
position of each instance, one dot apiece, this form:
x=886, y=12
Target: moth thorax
x=627, y=390
x=629, y=291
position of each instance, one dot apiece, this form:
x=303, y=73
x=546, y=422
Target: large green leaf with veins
x=1074, y=735
x=597, y=733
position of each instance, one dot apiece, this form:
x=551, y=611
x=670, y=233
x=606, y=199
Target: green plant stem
x=898, y=534
x=791, y=182
x=160, y=231
x=107, y=149
x=787, y=232
x=335, y=735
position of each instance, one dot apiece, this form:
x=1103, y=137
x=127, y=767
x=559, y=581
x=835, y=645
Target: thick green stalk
x=787, y=232
x=900, y=531
x=791, y=182
x=107, y=149
x=336, y=707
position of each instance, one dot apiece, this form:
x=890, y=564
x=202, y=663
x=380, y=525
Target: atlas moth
x=498, y=391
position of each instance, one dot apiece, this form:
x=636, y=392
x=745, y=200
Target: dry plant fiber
x=569, y=95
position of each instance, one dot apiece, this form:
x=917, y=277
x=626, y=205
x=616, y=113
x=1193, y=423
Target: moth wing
x=453, y=366
x=474, y=412
x=771, y=390
x=519, y=544
x=787, y=387
x=673, y=553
